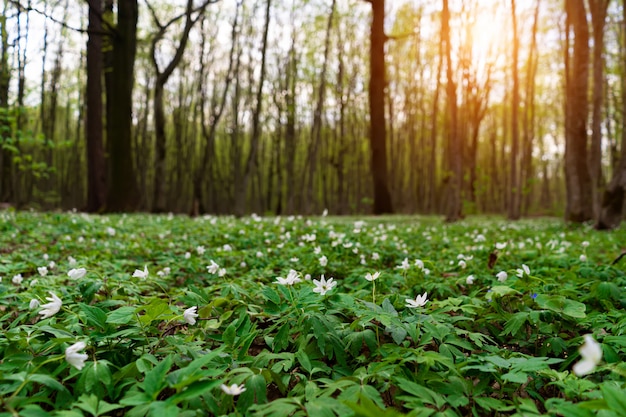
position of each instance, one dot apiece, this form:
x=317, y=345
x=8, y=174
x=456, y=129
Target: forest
x=451, y=107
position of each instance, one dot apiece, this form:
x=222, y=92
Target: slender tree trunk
x=241, y=192
x=96, y=175
x=454, y=206
x=514, y=209
x=7, y=145
x=612, y=208
x=378, y=129
x=598, y=19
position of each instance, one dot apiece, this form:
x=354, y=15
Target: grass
x=479, y=346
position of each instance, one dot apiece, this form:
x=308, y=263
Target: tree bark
x=96, y=175
x=598, y=18
x=242, y=191
x=454, y=208
x=119, y=79
x=7, y=146
x=378, y=129
x=612, y=208
x=579, y=206
x=514, y=209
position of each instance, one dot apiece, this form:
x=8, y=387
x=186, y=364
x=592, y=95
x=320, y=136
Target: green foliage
x=487, y=347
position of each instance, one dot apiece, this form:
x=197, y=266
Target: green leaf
x=94, y=316
x=48, y=381
x=515, y=323
x=281, y=340
x=122, y=315
x=516, y=377
x=155, y=379
x=164, y=409
x=194, y=390
x=615, y=398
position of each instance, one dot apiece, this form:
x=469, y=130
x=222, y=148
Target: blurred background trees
x=452, y=107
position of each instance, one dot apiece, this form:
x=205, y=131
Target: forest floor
x=292, y=316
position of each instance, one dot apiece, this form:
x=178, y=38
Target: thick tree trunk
x=378, y=129
x=96, y=174
x=579, y=206
x=119, y=79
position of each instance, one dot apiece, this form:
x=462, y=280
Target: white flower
x=583, y=258
x=213, y=268
x=420, y=301
x=45, y=257
x=462, y=264
x=371, y=277
x=375, y=256
x=243, y=264
x=325, y=213
x=294, y=259
x=43, y=271
x=469, y=280
x=307, y=277
x=322, y=286
x=51, y=308
x=141, y=274
x=419, y=263
x=221, y=272
x=34, y=303
x=77, y=273
x=292, y=278
x=405, y=264
x=591, y=353
x=259, y=254
x=17, y=279
x=74, y=358
x=190, y=315
x=323, y=260
x=187, y=255
x=227, y=247
x=200, y=250
x=52, y=264
x=523, y=270
x=71, y=260
x=502, y=276
x=111, y=231
x=233, y=389
x=585, y=244
x=500, y=246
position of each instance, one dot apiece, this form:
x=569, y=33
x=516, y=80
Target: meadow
x=145, y=315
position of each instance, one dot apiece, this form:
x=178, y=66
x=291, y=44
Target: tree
x=612, y=207
x=577, y=178
x=96, y=174
x=162, y=76
x=378, y=130
x=453, y=209
x=119, y=58
x=514, y=207
x=598, y=19
x=6, y=142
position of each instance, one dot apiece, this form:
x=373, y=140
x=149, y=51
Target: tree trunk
x=598, y=19
x=612, y=207
x=453, y=209
x=7, y=146
x=241, y=192
x=514, y=209
x=96, y=175
x=378, y=129
x=579, y=206
x=119, y=79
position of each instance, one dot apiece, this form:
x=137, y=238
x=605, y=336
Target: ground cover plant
x=289, y=316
